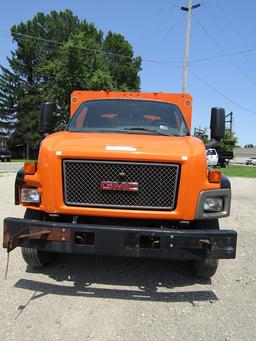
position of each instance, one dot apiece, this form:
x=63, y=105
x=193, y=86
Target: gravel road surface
x=10, y=167
x=107, y=298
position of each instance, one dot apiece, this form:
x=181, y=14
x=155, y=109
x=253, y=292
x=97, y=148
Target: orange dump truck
x=125, y=178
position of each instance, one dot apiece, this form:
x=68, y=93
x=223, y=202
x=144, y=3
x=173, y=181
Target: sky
x=222, y=55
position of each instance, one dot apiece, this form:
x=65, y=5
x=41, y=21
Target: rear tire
x=34, y=257
x=205, y=268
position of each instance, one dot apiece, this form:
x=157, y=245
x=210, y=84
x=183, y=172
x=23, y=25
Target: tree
x=201, y=133
x=229, y=142
x=7, y=110
x=121, y=64
x=56, y=54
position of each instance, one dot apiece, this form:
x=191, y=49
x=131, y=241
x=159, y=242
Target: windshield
x=211, y=152
x=129, y=116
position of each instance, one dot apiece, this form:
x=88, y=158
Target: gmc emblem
x=116, y=186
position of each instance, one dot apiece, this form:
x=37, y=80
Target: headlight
x=30, y=195
x=213, y=205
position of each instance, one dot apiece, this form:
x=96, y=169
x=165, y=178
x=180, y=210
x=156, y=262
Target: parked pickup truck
x=5, y=154
x=125, y=178
x=251, y=161
x=212, y=157
x=224, y=157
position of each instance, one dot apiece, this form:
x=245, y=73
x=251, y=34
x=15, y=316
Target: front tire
x=34, y=257
x=205, y=268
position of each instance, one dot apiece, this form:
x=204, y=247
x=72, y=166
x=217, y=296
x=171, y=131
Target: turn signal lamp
x=30, y=168
x=214, y=176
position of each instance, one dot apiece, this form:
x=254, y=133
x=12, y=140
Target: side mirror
x=217, y=123
x=47, y=119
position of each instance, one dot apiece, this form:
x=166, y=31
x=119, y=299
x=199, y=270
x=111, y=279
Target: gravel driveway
x=106, y=298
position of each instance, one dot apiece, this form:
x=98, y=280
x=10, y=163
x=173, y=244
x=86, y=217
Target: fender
x=225, y=183
x=19, y=181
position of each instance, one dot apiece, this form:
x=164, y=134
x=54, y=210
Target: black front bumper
x=119, y=240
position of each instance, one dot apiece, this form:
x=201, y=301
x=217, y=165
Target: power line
x=169, y=2
x=174, y=63
x=49, y=41
x=230, y=38
x=202, y=81
x=237, y=31
x=222, y=55
x=125, y=56
x=247, y=50
x=232, y=24
x=221, y=94
x=237, y=67
x=152, y=23
x=168, y=31
x=174, y=5
x=206, y=31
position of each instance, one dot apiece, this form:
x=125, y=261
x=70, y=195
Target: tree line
x=55, y=54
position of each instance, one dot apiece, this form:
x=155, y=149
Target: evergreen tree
x=7, y=104
x=56, y=54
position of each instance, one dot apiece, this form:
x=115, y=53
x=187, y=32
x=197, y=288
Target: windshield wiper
x=154, y=131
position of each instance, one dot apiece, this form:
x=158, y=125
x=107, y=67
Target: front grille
x=157, y=184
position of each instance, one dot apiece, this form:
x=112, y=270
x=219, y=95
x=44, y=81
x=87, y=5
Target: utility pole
x=230, y=121
x=185, y=65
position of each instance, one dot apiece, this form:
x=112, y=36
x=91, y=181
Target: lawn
x=21, y=160
x=240, y=171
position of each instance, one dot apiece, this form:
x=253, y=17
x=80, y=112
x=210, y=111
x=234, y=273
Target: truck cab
x=125, y=178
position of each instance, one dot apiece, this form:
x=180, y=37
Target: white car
x=251, y=161
x=212, y=157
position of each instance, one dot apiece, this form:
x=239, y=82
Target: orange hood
x=115, y=146
x=187, y=151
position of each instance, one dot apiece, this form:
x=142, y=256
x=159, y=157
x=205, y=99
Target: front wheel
x=205, y=268
x=34, y=257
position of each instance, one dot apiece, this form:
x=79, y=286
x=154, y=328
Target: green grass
x=21, y=160
x=240, y=171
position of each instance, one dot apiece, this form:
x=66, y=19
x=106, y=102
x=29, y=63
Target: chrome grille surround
x=158, y=184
